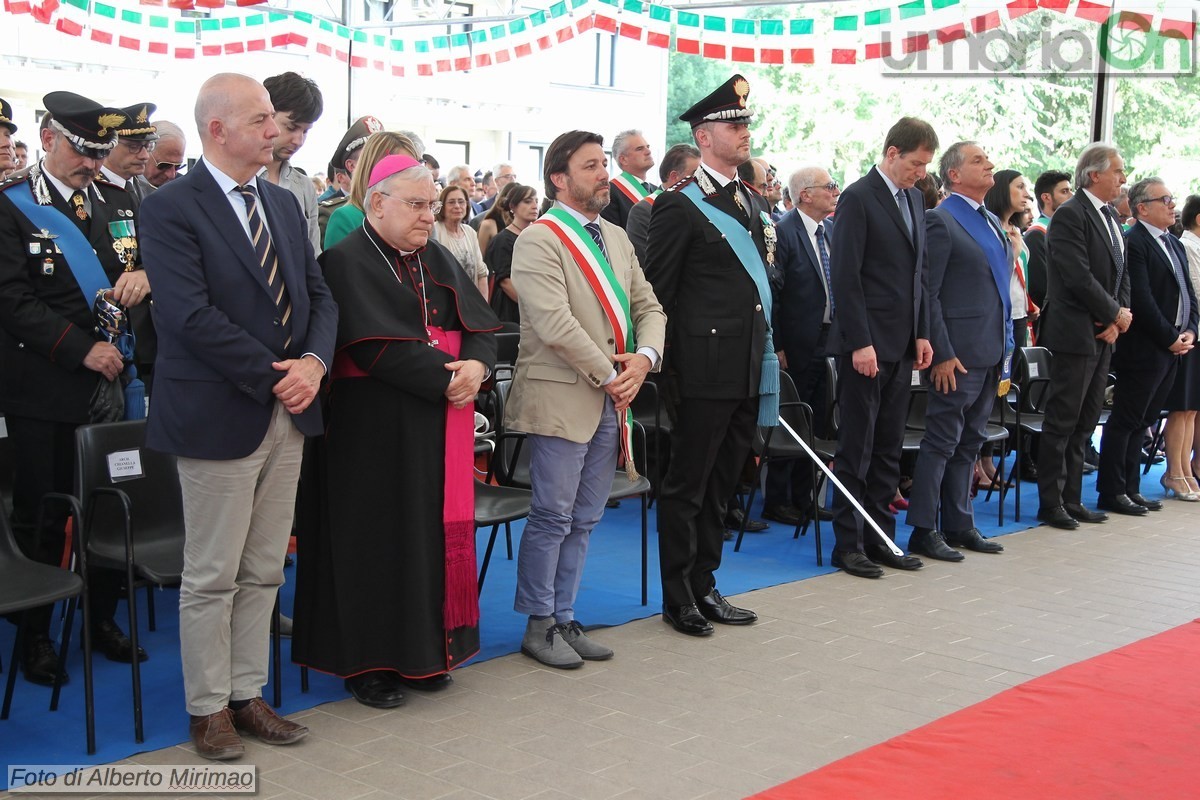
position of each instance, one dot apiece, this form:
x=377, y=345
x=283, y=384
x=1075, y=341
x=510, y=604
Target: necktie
x=823, y=252
x=991, y=225
x=264, y=250
x=905, y=212
x=77, y=202
x=594, y=229
x=1114, y=243
x=731, y=187
x=1181, y=278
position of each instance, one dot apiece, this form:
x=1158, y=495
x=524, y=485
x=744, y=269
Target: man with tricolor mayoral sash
x=711, y=246
x=591, y=329
x=65, y=236
x=634, y=160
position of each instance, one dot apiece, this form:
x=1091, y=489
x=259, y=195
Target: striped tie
x=594, y=229
x=264, y=250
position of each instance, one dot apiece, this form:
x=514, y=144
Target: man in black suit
x=881, y=334
x=803, y=313
x=1164, y=328
x=710, y=245
x=57, y=248
x=631, y=151
x=1087, y=308
x=970, y=324
x=678, y=164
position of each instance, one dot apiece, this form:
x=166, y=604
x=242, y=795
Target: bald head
x=237, y=124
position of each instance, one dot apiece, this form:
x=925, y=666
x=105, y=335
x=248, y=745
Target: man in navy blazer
x=1087, y=308
x=803, y=314
x=1146, y=357
x=246, y=328
x=880, y=333
x=970, y=323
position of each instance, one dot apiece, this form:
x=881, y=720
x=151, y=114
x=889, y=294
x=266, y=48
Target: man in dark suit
x=1163, y=304
x=631, y=151
x=1051, y=190
x=679, y=163
x=58, y=247
x=803, y=313
x=970, y=324
x=881, y=334
x=710, y=245
x=246, y=329
x=1087, y=308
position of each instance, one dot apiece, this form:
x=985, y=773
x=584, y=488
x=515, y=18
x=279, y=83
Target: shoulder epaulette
x=682, y=182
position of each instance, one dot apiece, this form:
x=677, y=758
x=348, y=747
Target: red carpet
x=1125, y=724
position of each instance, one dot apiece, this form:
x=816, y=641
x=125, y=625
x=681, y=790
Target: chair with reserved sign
x=132, y=516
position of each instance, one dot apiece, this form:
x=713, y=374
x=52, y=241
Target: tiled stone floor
x=834, y=665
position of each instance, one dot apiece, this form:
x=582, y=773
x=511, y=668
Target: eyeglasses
x=432, y=206
x=831, y=186
x=134, y=146
x=1167, y=200
x=163, y=166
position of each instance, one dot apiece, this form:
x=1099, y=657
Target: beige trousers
x=238, y=518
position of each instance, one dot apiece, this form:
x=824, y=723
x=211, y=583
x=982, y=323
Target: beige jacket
x=567, y=343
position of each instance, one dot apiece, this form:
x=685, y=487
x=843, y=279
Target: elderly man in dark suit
x=970, y=324
x=1087, y=308
x=246, y=328
x=1163, y=303
x=803, y=314
x=880, y=333
x=711, y=243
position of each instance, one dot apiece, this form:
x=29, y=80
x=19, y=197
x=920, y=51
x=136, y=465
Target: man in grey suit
x=970, y=323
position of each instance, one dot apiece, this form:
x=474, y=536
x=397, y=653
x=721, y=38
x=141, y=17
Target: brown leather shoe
x=215, y=737
x=261, y=720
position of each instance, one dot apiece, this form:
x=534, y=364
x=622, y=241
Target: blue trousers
x=571, y=482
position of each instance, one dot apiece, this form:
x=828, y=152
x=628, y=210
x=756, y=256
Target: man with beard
x=298, y=106
x=711, y=247
x=591, y=329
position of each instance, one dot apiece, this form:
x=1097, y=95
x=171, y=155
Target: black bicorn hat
x=137, y=123
x=727, y=104
x=355, y=138
x=6, y=114
x=90, y=127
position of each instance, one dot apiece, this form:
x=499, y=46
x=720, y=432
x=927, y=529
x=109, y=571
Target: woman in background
x=460, y=239
x=521, y=204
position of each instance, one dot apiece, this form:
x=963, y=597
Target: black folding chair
x=26, y=584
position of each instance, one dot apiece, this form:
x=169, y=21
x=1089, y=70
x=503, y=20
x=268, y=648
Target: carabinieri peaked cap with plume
x=728, y=103
x=90, y=127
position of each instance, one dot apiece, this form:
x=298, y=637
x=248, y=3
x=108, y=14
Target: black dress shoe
x=856, y=564
x=930, y=543
x=687, y=619
x=1081, y=513
x=434, y=683
x=1153, y=505
x=1057, y=517
x=733, y=522
x=110, y=640
x=377, y=689
x=1121, y=504
x=881, y=555
x=39, y=662
x=787, y=515
x=716, y=608
x=971, y=539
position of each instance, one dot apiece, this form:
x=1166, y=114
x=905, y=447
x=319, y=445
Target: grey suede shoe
x=588, y=649
x=544, y=642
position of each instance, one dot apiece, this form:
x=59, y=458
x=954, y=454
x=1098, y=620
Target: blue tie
x=905, y=211
x=1115, y=244
x=594, y=229
x=823, y=252
x=1181, y=278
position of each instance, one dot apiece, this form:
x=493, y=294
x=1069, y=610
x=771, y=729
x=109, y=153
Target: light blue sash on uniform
x=747, y=252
